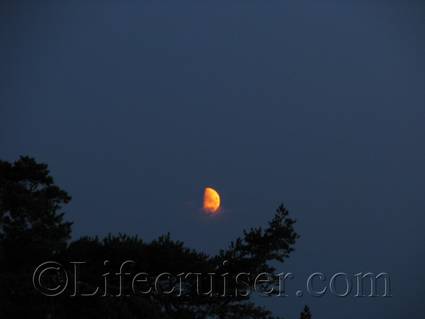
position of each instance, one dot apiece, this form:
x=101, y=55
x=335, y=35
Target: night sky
x=138, y=105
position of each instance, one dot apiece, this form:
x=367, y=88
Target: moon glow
x=211, y=201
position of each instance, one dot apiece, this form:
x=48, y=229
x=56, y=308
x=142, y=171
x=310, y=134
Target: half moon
x=211, y=201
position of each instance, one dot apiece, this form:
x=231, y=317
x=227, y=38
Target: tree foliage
x=32, y=230
x=306, y=314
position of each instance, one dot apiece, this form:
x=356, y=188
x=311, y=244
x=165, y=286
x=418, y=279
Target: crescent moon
x=211, y=201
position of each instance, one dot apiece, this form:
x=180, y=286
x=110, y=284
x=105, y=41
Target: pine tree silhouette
x=306, y=313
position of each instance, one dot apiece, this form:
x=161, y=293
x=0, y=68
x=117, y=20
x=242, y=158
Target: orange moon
x=211, y=200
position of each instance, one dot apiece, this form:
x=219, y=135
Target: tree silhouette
x=32, y=230
x=306, y=313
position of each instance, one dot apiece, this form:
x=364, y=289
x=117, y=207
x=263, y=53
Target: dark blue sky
x=138, y=105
